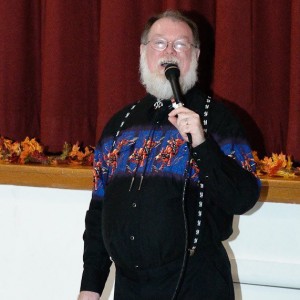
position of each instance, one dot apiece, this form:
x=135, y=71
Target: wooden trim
x=64, y=177
x=281, y=190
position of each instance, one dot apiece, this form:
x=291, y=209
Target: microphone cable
x=183, y=266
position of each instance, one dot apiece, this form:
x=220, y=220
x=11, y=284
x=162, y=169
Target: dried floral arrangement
x=31, y=151
x=278, y=165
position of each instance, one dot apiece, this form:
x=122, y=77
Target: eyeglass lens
x=178, y=45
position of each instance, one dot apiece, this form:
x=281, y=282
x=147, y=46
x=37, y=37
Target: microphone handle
x=178, y=101
x=176, y=90
x=190, y=139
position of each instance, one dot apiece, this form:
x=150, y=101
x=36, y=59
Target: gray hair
x=175, y=16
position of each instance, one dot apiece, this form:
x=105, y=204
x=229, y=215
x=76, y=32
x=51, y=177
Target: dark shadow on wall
x=231, y=254
x=207, y=48
x=252, y=131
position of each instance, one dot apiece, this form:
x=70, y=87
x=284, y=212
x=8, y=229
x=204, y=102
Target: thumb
x=173, y=120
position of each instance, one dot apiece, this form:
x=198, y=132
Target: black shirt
x=141, y=165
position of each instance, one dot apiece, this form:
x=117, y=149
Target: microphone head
x=171, y=70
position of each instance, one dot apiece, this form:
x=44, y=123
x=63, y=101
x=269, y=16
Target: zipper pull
x=141, y=181
x=132, y=180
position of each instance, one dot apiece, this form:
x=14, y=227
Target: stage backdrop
x=67, y=66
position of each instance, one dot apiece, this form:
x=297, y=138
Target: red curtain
x=67, y=66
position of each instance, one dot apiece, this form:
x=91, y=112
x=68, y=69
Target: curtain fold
x=67, y=66
x=20, y=78
x=271, y=46
x=70, y=37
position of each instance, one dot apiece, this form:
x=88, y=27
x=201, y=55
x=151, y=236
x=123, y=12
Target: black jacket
x=135, y=216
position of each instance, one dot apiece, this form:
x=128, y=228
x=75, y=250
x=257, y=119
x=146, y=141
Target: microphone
x=172, y=73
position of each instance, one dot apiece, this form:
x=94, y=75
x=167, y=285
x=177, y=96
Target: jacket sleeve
x=226, y=164
x=95, y=257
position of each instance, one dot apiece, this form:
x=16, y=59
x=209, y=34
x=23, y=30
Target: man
x=161, y=206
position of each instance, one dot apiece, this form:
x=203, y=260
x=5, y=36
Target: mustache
x=170, y=60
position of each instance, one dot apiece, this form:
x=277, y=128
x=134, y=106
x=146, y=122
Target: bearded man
x=162, y=204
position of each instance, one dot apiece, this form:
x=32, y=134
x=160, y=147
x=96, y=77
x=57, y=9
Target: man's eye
x=160, y=43
x=180, y=45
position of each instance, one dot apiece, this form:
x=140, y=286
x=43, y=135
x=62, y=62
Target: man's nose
x=169, y=48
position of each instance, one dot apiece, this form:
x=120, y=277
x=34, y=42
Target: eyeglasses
x=161, y=44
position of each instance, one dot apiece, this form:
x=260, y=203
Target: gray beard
x=159, y=86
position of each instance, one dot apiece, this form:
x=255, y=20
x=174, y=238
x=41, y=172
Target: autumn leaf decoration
x=28, y=151
x=276, y=165
x=73, y=155
x=31, y=151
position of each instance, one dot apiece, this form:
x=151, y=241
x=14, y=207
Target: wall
x=41, y=247
x=265, y=252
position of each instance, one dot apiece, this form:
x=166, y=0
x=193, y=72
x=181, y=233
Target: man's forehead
x=167, y=26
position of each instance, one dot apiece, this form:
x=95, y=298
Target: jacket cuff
x=93, y=280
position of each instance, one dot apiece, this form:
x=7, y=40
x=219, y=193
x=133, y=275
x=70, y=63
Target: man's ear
x=198, y=53
x=141, y=48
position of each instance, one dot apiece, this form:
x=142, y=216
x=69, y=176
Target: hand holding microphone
x=185, y=120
